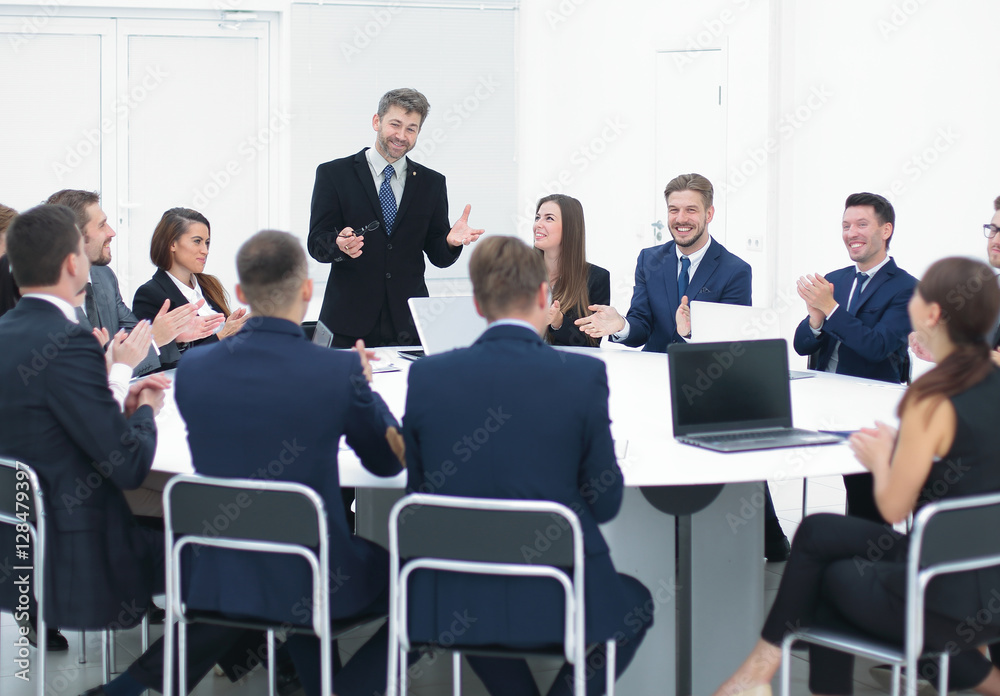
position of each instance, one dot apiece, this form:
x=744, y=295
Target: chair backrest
x=246, y=509
x=248, y=515
x=535, y=538
x=485, y=530
x=956, y=534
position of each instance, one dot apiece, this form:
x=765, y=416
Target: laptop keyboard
x=745, y=435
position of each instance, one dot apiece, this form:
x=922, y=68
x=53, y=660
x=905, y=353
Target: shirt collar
x=697, y=256
x=514, y=322
x=378, y=163
x=62, y=305
x=872, y=271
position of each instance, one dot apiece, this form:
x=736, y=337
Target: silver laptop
x=446, y=323
x=735, y=397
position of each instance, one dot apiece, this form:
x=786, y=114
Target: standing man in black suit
x=103, y=306
x=374, y=273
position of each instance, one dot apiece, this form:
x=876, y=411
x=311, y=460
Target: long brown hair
x=570, y=288
x=171, y=227
x=967, y=293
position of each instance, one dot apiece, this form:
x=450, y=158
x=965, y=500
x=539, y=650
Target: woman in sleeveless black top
x=847, y=572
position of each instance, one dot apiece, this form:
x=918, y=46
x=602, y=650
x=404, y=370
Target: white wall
x=847, y=94
x=584, y=65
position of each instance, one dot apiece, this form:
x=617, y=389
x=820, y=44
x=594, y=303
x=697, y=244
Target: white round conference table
x=704, y=570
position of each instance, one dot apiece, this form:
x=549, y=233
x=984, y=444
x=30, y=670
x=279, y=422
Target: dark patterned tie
x=682, y=279
x=387, y=198
x=856, y=295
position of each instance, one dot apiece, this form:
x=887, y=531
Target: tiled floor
x=431, y=676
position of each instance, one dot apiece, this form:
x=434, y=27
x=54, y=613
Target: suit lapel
x=99, y=291
x=670, y=275
x=705, y=270
x=172, y=292
x=409, y=188
x=364, y=172
x=880, y=279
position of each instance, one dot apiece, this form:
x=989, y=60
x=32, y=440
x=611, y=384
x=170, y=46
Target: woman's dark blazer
x=598, y=292
x=150, y=296
x=9, y=293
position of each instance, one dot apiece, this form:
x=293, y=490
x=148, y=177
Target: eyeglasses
x=990, y=230
x=370, y=227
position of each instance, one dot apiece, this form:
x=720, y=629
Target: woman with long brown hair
x=560, y=237
x=947, y=446
x=179, y=249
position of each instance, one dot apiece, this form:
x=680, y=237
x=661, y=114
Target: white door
x=153, y=114
x=691, y=126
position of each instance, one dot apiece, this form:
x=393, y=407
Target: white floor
x=431, y=676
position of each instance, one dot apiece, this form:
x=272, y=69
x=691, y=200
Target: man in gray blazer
x=103, y=305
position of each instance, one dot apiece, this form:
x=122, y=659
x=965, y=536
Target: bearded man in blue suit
x=547, y=415
x=692, y=266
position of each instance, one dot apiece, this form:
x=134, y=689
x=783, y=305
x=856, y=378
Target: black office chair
x=485, y=537
x=286, y=518
x=947, y=538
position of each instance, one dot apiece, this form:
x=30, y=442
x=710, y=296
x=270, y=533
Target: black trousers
x=830, y=582
x=860, y=489
x=511, y=677
x=236, y=650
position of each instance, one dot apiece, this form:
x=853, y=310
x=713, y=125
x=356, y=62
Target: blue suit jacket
x=545, y=416
x=266, y=403
x=721, y=277
x=873, y=335
x=58, y=416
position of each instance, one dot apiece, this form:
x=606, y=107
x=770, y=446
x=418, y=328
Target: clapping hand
x=683, y=318
x=146, y=392
x=234, y=323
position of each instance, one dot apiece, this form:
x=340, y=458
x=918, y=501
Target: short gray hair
x=406, y=99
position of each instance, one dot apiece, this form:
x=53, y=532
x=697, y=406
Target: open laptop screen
x=720, y=387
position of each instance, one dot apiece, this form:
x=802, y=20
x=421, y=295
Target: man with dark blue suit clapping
x=857, y=322
x=544, y=415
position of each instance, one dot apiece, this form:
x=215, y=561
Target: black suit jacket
x=598, y=292
x=390, y=269
x=114, y=314
x=149, y=298
x=9, y=293
x=58, y=416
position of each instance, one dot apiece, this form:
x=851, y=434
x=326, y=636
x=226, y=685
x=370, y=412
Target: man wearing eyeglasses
x=993, y=251
x=857, y=323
